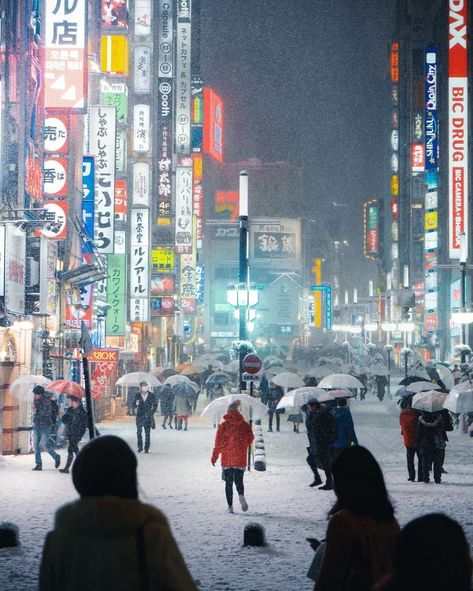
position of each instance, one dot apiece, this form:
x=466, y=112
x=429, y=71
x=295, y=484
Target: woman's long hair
x=359, y=485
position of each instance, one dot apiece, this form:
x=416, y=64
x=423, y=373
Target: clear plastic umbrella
x=340, y=381
x=460, y=398
x=218, y=407
x=322, y=371
x=135, y=377
x=446, y=375
x=422, y=387
x=177, y=379
x=429, y=401
x=287, y=380
x=22, y=387
x=301, y=396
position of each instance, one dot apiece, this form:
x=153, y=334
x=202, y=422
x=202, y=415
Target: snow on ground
x=178, y=478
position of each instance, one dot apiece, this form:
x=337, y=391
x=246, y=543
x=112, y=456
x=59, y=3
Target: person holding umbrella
x=145, y=405
x=75, y=420
x=232, y=440
x=408, y=419
x=42, y=422
x=346, y=428
x=322, y=431
x=430, y=445
x=167, y=405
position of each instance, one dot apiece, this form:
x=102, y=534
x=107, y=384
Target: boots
x=65, y=470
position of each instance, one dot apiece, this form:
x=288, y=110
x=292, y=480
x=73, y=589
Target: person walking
x=346, y=429
x=264, y=389
x=109, y=539
x=408, y=419
x=274, y=396
x=75, y=420
x=381, y=383
x=43, y=417
x=322, y=431
x=431, y=445
x=167, y=404
x=182, y=410
x=232, y=440
x=362, y=531
x=145, y=405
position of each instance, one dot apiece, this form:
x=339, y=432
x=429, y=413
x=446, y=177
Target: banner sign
x=165, y=24
x=162, y=260
x=213, y=124
x=164, y=152
x=15, y=256
x=116, y=295
x=102, y=146
x=141, y=128
x=114, y=14
x=101, y=376
x=121, y=200
x=183, y=240
x=142, y=70
x=457, y=124
x=430, y=116
x=116, y=96
x=47, y=277
x=187, y=276
x=139, y=265
x=371, y=229
x=417, y=157
x=65, y=56
x=143, y=17
x=56, y=135
x=141, y=184
x=199, y=284
x=114, y=55
x=183, y=88
x=88, y=195
x=56, y=226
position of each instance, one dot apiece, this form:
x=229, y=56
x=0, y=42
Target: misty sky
x=305, y=80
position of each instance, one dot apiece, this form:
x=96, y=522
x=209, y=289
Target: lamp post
x=243, y=252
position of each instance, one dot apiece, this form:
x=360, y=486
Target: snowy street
x=178, y=478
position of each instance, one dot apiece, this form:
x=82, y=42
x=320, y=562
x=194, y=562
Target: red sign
x=55, y=177
x=187, y=305
x=226, y=203
x=34, y=174
x=395, y=62
x=121, y=199
x=251, y=363
x=417, y=157
x=213, y=124
x=56, y=215
x=101, y=377
x=104, y=355
x=56, y=135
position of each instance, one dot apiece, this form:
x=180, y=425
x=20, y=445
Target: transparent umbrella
x=177, y=379
x=422, y=387
x=460, y=398
x=136, y=377
x=218, y=407
x=446, y=375
x=287, y=380
x=429, y=401
x=340, y=381
x=22, y=387
x=301, y=396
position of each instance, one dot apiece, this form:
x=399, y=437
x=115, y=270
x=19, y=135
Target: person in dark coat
x=431, y=445
x=408, y=420
x=75, y=420
x=145, y=405
x=274, y=396
x=42, y=423
x=167, y=405
x=322, y=431
x=264, y=389
x=381, y=383
x=346, y=428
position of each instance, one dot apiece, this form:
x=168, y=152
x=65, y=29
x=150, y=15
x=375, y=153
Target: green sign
x=116, y=295
x=116, y=97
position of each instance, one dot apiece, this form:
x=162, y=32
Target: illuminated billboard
x=114, y=55
x=371, y=229
x=213, y=124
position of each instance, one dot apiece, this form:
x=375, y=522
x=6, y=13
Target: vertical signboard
x=47, y=276
x=143, y=17
x=139, y=265
x=213, y=124
x=371, y=229
x=164, y=152
x=183, y=78
x=65, y=57
x=15, y=255
x=165, y=24
x=116, y=295
x=141, y=184
x=102, y=146
x=457, y=124
x=430, y=115
x=141, y=128
x=88, y=193
x=183, y=238
x=142, y=70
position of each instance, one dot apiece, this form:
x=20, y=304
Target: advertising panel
x=162, y=260
x=164, y=306
x=164, y=152
x=187, y=276
x=165, y=24
x=47, y=277
x=198, y=198
x=142, y=70
x=116, y=96
x=183, y=236
x=278, y=240
x=226, y=204
x=213, y=124
x=141, y=128
x=200, y=284
x=395, y=62
x=114, y=55
x=120, y=151
x=183, y=88
x=162, y=285
x=121, y=200
x=371, y=229
x=88, y=194
x=15, y=256
x=65, y=57
x=141, y=184
x=116, y=295
x=56, y=135
x=55, y=177
x=102, y=123
x=143, y=17
x=139, y=265
x=56, y=214
x=457, y=124
x=114, y=14
x=417, y=157
x=430, y=116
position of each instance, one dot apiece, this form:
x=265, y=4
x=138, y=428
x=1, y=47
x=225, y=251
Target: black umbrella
x=411, y=379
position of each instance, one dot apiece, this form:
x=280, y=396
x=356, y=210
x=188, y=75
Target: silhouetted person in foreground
x=362, y=531
x=432, y=555
x=108, y=539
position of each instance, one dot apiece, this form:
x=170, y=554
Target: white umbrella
x=273, y=371
x=219, y=406
x=322, y=371
x=177, y=379
x=422, y=387
x=419, y=373
x=209, y=359
x=301, y=396
x=272, y=360
x=429, y=401
x=136, y=377
x=22, y=387
x=446, y=375
x=340, y=381
x=287, y=380
x=233, y=366
x=460, y=398
x=379, y=370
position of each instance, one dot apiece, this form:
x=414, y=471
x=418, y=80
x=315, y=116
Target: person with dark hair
x=75, y=420
x=42, y=422
x=145, y=404
x=431, y=445
x=275, y=394
x=322, y=431
x=408, y=419
x=437, y=541
x=362, y=531
x=167, y=404
x=346, y=428
x=124, y=543
x=232, y=440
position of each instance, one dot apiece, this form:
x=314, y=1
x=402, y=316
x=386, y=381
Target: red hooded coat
x=408, y=420
x=234, y=436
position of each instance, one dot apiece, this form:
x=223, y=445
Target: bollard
x=253, y=535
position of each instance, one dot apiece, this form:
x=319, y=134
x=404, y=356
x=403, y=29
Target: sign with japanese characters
x=163, y=306
x=430, y=116
x=278, y=240
x=114, y=14
x=165, y=30
x=141, y=128
x=188, y=276
x=162, y=260
x=116, y=295
x=102, y=146
x=56, y=216
x=55, y=177
x=65, y=56
x=183, y=88
x=121, y=200
x=116, y=96
x=143, y=17
x=199, y=284
x=139, y=264
x=141, y=184
x=47, y=277
x=56, y=135
x=88, y=195
x=164, y=152
x=162, y=285
x=183, y=236
x=142, y=70
x=15, y=256
x=114, y=55
x=198, y=197
x=120, y=151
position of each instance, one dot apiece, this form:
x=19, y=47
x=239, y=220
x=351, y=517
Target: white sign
x=183, y=89
x=165, y=61
x=142, y=70
x=2, y=260
x=141, y=184
x=141, y=128
x=55, y=135
x=15, y=256
x=139, y=256
x=55, y=176
x=102, y=146
x=47, y=272
x=183, y=209
x=142, y=17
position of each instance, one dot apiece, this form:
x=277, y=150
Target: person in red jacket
x=408, y=420
x=233, y=437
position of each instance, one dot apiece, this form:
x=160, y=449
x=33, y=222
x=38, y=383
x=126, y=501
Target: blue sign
x=200, y=284
x=430, y=114
x=327, y=293
x=88, y=193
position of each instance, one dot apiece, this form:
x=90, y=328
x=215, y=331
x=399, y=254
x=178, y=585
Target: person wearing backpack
x=44, y=413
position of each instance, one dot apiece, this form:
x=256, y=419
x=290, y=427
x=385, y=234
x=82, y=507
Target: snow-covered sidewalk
x=178, y=478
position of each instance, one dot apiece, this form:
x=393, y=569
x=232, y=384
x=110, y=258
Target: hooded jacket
x=233, y=437
x=346, y=428
x=43, y=412
x=94, y=546
x=408, y=420
x=430, y=434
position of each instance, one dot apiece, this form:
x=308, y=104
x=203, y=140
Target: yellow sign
x=431, y=220
x=394, y=185
x=114, y=54
x=317, y=271
x=162, y=260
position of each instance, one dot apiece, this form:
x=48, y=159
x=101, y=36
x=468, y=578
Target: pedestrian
x=408, y=419
x=275, y=394
x=167, y=404
x=232, y=440
x=264, y=389
x=431, y=445
x=145, y=405
x=75, y=420
x=322, y=431
x=432, y=554
x=108, y=539
x=363, y=377
x=182, y=410
x=43, y=417
x=131, y=393
x=362, y=531
x=346, y=428
x=381, y=383
x=457, y=374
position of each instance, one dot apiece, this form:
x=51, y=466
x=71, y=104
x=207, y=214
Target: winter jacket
x=273, y=398
x=264, y=388
x=75, y=420
x=430, y=434
x=43, y=412
x=358, y=552
x=182, y=406
x=145, y=409
x=167, y=401
x=346, y=428
x=233, y=437
x=408, y=420
x=93, y=547
x=322, y=430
